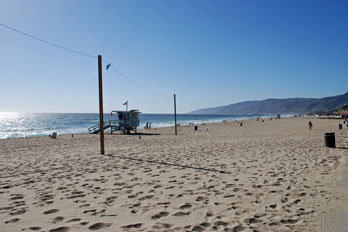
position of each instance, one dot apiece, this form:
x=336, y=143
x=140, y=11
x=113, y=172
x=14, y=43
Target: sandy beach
x=274, y=175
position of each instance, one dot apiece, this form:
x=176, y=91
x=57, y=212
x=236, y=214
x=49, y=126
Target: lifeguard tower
x=127, y=121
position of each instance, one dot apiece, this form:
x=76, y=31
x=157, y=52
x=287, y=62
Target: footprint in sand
x=288, y=221
x=220, y=223
x=51, y=211
x=18, y=203
x=205, y=224
x=90, y=211
x=146, y=197
x=209, y=214
x=297, y=201
x=6, y=208
x=16, y=197
x=110, y=200
x=160, y=226
x=84, y=205
x=159, y=215
x=135, y=205
x=274, y=224
x=181, y=214
x=186, y=206
x=229, y=195
x=18, y=212
x=60, y=229
x=200, y=198
x=198, y=228
x=75, y=220
x=201, y=227
x=80, y=201
x=249, y=221
x=76, y=194
x=99, y=225
x=35, y=228
x=58, y=219
x=132, y=226
x=238, y=228
x=100, y=212
x=14, y=220
x=163, y=203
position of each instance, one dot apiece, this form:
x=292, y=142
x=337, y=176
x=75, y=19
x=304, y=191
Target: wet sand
x=263, y=176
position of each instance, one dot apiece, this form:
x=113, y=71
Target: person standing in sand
x=310, y=125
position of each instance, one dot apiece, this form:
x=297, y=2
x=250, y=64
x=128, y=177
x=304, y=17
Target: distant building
x=343, y=114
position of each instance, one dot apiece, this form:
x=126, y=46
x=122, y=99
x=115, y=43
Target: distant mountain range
x=280, y=106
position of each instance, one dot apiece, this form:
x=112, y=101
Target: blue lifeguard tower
x=127, y=121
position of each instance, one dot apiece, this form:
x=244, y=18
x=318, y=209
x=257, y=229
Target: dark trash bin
x=330, y=140
x=196, y=128
x=339, y=126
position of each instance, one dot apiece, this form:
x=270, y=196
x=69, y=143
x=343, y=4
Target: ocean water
x=20, y=125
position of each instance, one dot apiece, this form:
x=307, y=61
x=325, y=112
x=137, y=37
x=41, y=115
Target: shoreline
x=242, y=118
x=182, y=125
x=275, y=175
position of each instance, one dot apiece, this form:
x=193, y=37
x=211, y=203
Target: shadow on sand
x=137, y=134
x=168, y=164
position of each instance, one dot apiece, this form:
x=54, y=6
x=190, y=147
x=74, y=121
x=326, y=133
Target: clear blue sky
x=210, y=53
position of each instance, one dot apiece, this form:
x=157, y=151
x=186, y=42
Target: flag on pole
x=126, y=103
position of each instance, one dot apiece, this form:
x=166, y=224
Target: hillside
x=280, y=106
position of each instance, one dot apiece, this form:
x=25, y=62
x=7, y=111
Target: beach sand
x=263, y=176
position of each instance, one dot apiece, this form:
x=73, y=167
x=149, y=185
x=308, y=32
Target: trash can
x=339, y=126
x=196, y=128
x=330, y=140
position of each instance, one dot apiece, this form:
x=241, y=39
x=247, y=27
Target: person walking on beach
x=310, y=125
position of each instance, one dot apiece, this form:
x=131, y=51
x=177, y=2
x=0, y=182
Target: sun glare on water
x=8, y=116
x=9, y=121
